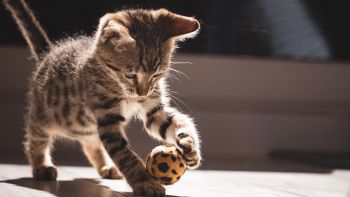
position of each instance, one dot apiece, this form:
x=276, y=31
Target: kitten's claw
x=189, y=149
x=48, y=173
x=148, y=188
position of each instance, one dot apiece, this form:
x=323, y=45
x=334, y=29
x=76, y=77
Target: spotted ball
x=166, y=164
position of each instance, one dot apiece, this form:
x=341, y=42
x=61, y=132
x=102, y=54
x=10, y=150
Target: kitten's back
x=63, y=61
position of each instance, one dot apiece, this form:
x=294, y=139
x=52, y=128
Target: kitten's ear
x=118, y=35
x=174, y=25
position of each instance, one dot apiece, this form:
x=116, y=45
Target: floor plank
x=84, y=181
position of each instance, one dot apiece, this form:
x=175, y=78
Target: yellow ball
x=166, y=164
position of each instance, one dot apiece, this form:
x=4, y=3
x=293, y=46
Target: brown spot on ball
x=154, y=160
x=173, y=171
x=164, y=155
x=182, y=165
x=178, y=157
x=163, y=167
x=177, y=178
x=173, y=158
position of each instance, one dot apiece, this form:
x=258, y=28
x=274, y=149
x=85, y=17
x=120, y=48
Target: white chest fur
x=129, y=109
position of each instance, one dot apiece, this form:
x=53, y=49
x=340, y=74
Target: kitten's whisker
x=174, y=63
x=172, y=91
x=171, y=96
x=180, y=73
x=174, y=97
x=171, y=76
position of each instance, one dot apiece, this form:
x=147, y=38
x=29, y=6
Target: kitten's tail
x=30, y=28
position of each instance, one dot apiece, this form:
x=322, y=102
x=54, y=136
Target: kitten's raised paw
x=110, y=172
x=190, y=150
x=148, y=188
x=48, y=173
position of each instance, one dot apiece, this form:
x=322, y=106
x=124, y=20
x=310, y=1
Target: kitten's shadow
x=76, y=187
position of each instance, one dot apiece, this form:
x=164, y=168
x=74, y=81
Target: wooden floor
x=15, y=181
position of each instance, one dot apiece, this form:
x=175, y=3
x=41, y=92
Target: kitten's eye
x=157, y=75
x=129, y=75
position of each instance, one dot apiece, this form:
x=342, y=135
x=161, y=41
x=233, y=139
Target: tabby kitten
x=88, y=88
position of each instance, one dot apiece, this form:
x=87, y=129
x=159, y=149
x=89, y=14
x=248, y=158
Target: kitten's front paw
x=110, y=172
x=189, y=149
x=48, y=173
x=148, y=187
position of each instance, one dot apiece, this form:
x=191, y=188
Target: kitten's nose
x=142, y=89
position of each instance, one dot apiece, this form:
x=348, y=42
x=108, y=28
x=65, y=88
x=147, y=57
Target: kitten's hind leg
x=37, y=147
x=99, y=158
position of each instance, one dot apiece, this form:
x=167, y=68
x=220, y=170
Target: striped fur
x=88, y=88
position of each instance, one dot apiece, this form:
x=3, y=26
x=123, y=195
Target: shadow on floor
x=76, y=187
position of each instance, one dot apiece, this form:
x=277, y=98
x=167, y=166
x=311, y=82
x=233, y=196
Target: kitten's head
x=136, y=46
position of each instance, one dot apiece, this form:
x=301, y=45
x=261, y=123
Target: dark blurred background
x=269, y=80
x=295, y=29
